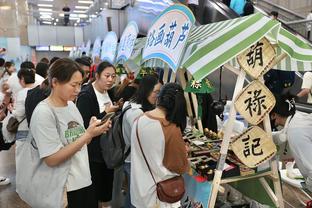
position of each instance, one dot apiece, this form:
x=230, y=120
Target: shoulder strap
x=137, y=134
x=58, y=127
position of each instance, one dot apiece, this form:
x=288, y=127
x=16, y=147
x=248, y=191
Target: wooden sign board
x=254, y=102
x=257, y=59
x=254, y=147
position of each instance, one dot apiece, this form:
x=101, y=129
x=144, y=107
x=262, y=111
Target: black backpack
x=113, y=144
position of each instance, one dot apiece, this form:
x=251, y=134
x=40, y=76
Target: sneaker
x=4, y=181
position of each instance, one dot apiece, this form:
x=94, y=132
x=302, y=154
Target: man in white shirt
x=306, y=87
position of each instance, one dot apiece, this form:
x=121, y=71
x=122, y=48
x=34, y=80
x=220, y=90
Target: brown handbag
x=13, y=124
x=170, y=190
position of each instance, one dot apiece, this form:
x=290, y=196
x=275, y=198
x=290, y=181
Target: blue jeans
x=127, y=169
x=21, y=135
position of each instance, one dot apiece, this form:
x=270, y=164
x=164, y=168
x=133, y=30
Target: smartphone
x=106, y=117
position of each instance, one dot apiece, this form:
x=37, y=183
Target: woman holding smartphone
x=96, y=99
x=55, y=122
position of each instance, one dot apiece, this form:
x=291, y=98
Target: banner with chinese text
x=96, y=47
x=168, y=35
x=127, y=41
x=109, y=47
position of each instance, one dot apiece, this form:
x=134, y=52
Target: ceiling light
x=45, y=17
x=45, y=5
x=46, y=22
x=81, y=7
x=85, y=2
x=5, y=7
x=79, y=11
x=45, y=13
x=82, y=15
x=74, y=18
x=45, y=9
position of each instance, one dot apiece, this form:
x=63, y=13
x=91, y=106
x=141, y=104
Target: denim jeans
x=127, y=169
x=21, y=135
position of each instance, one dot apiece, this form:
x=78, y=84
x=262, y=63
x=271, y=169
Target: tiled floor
x=9, y=198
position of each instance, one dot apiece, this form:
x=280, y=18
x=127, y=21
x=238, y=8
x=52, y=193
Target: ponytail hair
x=171, y=99
x=285, y=104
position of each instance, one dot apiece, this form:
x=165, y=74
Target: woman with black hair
x=57, y=128
x=26, y=79
x=96, y=99
x=160, y=134
x=144, y=100
x=297, y=132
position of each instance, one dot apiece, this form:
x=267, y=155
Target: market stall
x=210, y=46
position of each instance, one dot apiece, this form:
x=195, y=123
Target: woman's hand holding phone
x=98, y=127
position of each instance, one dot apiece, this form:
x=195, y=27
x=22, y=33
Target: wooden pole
x=166, y=73
x=226, y=141
x=182, y=81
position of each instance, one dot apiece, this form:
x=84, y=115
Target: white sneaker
x=4, y=181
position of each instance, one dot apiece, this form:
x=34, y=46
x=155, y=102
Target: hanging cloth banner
x=96, y=47
x=109, y=47
x=167, y=37
x=127, y=41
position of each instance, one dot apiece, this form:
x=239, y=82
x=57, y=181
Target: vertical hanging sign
x=96, y=47
x=109, y=47
x=167, y=37
x=127, y=41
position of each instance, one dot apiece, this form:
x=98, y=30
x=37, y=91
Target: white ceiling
x=56, y=14
x=78, y=16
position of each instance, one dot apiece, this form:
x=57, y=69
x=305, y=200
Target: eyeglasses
x=113, y=76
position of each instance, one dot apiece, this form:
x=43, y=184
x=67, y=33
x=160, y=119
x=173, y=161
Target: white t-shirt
x=127, y=123
x=102, y=98
x=19, y=109
x=307, y=84
x=44, y=131
x=143, y=188
x=15, y=86
x=299, y=135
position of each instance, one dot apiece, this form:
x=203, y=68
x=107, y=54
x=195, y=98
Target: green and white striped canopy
x=210, y=46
